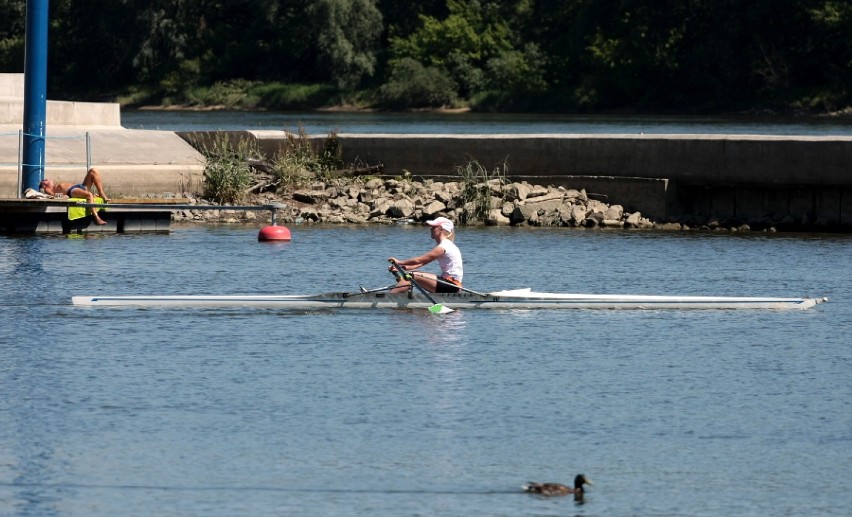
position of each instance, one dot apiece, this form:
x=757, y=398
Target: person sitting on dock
x=79, y=190
x=445, y=252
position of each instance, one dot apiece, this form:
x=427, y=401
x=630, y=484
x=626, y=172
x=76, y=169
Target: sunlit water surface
x=388, y=413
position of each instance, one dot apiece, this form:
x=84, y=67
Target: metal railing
x=273, y=208
x=43, y=166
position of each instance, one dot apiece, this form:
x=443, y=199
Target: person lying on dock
x=445, y=252
x=79, y=190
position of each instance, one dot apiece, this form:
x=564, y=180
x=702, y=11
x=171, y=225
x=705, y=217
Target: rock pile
x=382, y=200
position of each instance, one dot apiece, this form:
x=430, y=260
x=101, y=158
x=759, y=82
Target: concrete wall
x=11, y=86
x=59, y=113
x=65, y=113
x=687, y=159
x=806, y=180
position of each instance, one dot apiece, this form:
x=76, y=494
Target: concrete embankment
x=133, y=162
x=804, y=182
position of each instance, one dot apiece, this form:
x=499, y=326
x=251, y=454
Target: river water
x=319, y=123
x=135, y=411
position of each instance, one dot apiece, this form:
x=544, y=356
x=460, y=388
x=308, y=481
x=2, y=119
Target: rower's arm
x=422, y=260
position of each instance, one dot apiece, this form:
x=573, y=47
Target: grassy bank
x=242, y=95
x=238, y=95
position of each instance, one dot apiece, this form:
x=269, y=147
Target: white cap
x=443, y=222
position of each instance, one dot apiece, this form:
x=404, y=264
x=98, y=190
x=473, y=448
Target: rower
x=445, y=252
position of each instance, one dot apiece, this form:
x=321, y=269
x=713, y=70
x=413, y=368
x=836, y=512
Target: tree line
x=513, y=55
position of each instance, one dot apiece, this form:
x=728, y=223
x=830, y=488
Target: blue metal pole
x=35, y=93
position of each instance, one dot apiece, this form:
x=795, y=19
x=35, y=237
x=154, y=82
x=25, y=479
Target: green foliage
x=227, y=175
x=177, y=85
x=515, y=54
x=297, y=161
x=289, y=172
x=12, y=35
x=404, y=17
x=12, y=54
x=234, y=94
x=412, y=85
x=162, y=48
x=294, y=96
x=828, y=85
x=520, y=71
x=462, y=43
x=516, y=81
x=349, y=32
x=477, y=183
x=330, y=157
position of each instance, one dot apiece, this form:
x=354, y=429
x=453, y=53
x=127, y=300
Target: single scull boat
x=513, y=299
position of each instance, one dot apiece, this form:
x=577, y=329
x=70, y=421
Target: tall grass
x=297, y=161
x=228, y=177
x=477, y=183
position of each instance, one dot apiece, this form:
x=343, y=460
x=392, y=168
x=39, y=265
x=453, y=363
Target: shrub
x=279, y=96
x=412, y=85
x=227, y=175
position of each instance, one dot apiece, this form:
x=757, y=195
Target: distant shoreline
x=348, y=108
x=329, y=109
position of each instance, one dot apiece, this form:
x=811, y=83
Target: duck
x=557, y=489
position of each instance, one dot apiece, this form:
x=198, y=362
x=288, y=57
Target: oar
x=436, y=307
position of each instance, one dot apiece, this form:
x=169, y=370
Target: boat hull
x=515, y=299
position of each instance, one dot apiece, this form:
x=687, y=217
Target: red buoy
x=274, y=233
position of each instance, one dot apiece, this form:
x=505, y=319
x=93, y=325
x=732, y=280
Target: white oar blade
x=439, y=309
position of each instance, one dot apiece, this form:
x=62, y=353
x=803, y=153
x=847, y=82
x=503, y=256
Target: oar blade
x=440, y=309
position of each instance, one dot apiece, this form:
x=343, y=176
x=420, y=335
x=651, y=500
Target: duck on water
x=557, y=489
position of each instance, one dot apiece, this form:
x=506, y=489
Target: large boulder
x=496, y=218
x=614, y=213
x=516, y=191
x=578, y=215
x=524, y=214
x=435, y=207
x=401, y=208
x=311, y=197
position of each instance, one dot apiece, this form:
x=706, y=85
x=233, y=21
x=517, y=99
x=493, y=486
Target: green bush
x=412, y=85
x=279, y=96
x=227, y=175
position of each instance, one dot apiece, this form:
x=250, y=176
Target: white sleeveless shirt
x=451, y=260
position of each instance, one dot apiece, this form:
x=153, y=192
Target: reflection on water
x=318, y=123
